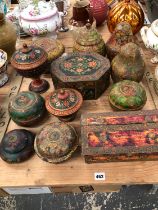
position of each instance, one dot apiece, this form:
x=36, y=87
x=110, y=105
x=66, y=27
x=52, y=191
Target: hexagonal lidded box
x=87, y=72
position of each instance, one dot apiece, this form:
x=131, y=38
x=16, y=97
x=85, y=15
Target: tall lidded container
x=7, y=36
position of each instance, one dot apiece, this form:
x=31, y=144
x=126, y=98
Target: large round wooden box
x=87, y=72
x=17, y=145
x=56, y=142
x=26, y=108
x=127, y=95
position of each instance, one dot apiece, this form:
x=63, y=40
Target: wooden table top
x=35, y=172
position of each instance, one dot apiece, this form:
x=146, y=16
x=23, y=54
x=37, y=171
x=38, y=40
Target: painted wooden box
x=120, y=136
x=89, y=73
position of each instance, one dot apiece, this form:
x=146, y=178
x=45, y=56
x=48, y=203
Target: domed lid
x=28, y=57
x=64, y=102
x=56, y=142
x=28, y=103
x=3, y=58
x=130, y=51
x=127, y=95
x=17, y=145
x=54, y=48
x=81, y=3
x=122, y=35
x=41, y=10
x=88, y=36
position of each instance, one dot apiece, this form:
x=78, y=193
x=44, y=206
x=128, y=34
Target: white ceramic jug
x=150, y=38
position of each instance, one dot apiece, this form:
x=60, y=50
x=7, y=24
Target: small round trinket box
x=64, y=103
x=31, y=62
x=54, y=48
x=56, y=142
x=17, y=146
x=26, y=108
x=3, y=68
x=127, y=95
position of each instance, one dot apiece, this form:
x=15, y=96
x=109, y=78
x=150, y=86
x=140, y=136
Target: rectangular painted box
x=120, y=136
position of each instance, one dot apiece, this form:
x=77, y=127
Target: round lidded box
x=26, y=108
x=31, y=62
x=127, y=95
x=89, y=40
x=56, y=142
x=54, y=48
x=17, y=145
x=64, y=103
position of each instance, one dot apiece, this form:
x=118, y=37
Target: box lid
x=120, y=133
x=80, y=66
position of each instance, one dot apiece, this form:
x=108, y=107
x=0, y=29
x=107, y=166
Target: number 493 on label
x=99, y=176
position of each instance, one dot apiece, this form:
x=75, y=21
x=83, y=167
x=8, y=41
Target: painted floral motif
x=77, y=65
x=92, y=64
x=68, y=102
x=127, y=95
x=79, y=70
x=136, y=138
x=33, y=55
x=34, y=12
x=38, y=30
x=67, y=65
x=33, y=31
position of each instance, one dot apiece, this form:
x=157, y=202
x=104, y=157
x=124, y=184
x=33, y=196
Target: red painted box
x=120, y=136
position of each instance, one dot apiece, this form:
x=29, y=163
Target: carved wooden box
x=89, y=73
x=120, y=136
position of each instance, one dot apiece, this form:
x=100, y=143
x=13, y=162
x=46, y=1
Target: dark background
x=140, y=197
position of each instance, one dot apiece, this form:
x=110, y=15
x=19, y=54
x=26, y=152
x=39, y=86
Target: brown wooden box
x=120, y=136
x=89, y=73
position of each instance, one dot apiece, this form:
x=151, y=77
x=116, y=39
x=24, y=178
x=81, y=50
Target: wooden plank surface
x=75, y=171
x=10, y=89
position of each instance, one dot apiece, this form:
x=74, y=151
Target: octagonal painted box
x=87, y=72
